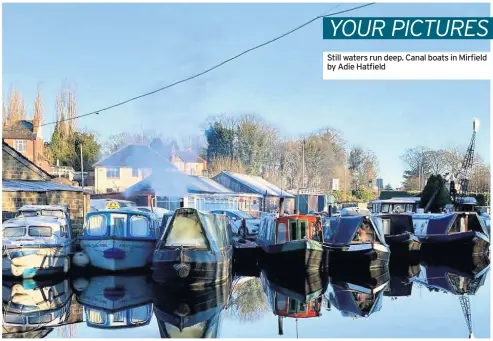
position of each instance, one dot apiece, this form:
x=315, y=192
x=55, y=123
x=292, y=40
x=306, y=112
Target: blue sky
x=115, y=51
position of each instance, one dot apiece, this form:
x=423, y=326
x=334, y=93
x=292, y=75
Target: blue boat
x=196, y=250
x=120, y=239
x=116, y=301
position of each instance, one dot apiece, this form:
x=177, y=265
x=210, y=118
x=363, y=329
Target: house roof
x=36, y=186
x=189, y=157
x=166, y=185
x=135, y=156
x=23, y=129
x=25, y=161
x=258, y=184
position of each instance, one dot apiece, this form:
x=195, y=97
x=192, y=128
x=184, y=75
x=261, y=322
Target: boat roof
x=34, y=221
x=343, y=299
x=122, y=210
x=440, y=223
x=398, y=200
x=43, y=207
x=343, y=229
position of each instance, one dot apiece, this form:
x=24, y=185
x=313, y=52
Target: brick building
x=24, y=183
x=26, y=138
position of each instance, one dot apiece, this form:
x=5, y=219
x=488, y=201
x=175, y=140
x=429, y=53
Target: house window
x=20, y=145
x=113, y=173
x=135, y=172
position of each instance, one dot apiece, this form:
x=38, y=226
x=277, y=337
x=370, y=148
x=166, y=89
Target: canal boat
x=185, y=313
x=196, y=250
x=403, y=205
x=402, y=274
x=119, y=239
x=29, y=306
x=451, y=234
x=115, y=301
x=292, y=243
x=35, y=246
x=398, y=230
x=355, y=240
x=357, y=295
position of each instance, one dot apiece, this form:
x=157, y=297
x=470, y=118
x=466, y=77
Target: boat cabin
x=121, y=223
x=194, y=229
x=36, y=230
x=352, y=230
x=126, y=318
x=288, y=228
x=396, y=205
x=448, y=223
x=56, y=211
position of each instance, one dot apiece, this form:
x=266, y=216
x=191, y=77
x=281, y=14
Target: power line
x=96, y=112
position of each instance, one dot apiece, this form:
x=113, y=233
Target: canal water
x=424, y=302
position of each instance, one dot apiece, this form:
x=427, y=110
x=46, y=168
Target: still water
x=405, y=301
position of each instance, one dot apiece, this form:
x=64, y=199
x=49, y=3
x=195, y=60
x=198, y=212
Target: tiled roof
x=189, y=157
x=19, y=130
x=36, y=186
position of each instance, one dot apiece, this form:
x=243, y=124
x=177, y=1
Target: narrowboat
x=398, y=231
x=292, y=243
x=355, y=241
x=451, y=234
x=185, y=313
x=35, y=246
x=116, y=301
x=119, y=239
x=196, y=250
x=357, y=297
x=31, y=305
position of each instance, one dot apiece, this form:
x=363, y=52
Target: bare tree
x=16, y=110
x=38, y=109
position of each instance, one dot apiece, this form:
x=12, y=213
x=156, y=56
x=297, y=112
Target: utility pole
x=345, y=177
x=303, y=164
x=81, y=165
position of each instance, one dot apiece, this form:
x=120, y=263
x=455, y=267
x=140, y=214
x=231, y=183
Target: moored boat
x=35, y=246
x=196, y=250
x=355, y=241
x=398, y=232
x=451, y=234
x=292, y=243
x=119, y=239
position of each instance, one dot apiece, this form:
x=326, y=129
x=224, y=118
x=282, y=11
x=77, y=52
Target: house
x=126, y=167
x=270, y=193
x=26, y=138
x=189, y=162
x=25, y=183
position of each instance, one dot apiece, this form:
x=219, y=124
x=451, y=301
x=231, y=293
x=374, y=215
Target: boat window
x=14, y=319
x=140, y=315
x=96, y=317
x=119, y=316
x=40, y=231
x=51, y=213
x=16, y=231
x=281, y=233
x=186, y=230
x=364, y=233
x=96, y=225
x=385, y=208
x=282, y=302
x=386, y=226
x=42, y=318
x=118, y=222
x=409, y=207
x=139, y=226
x=293, y=229
x=27, y=214
x=303, y=231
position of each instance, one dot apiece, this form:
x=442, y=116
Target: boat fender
x=182, y=270
x=80, y=284
x=81, y=259
x=183, y=310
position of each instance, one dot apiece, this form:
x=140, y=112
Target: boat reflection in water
x=287, y=301
x=402, y=274
x=115, y=301
x=186, y=313
x=33, y=308
x=358, y=296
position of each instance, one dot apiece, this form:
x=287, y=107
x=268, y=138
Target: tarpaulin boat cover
x=341, y=230
x=344, y=300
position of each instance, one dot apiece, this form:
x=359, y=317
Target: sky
x=111, y=52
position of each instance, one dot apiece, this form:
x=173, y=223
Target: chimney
x=35, y=125
x=281, y=206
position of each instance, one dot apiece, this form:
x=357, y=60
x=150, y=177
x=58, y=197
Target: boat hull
x=363, y=256
x=118, y=254
x=295, y=256
x=195, y=269
x=29, y=262
x=403, y=245
x=457, y=244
